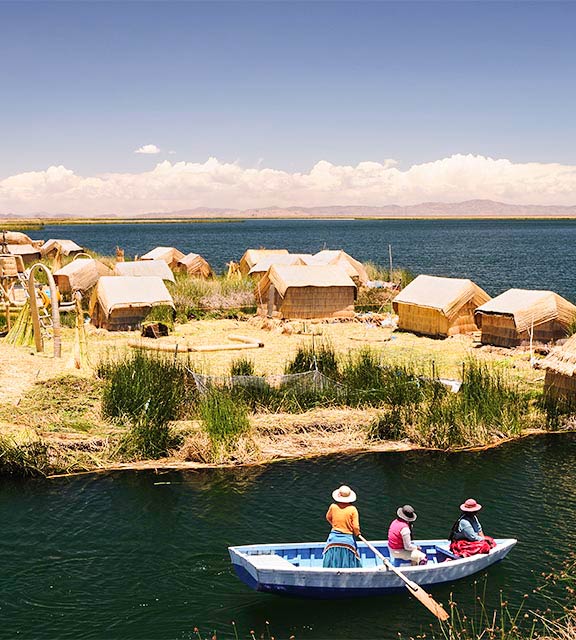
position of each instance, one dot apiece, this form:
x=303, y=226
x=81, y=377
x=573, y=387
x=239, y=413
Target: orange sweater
x=344, y=519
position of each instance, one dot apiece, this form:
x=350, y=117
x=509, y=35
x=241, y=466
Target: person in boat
x=466, y=536
x=341, y=550
x=400, y=537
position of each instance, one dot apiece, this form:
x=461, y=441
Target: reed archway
x=55, y=310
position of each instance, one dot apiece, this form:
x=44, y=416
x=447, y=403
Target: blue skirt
x=341, y=552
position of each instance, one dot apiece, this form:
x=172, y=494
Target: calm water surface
x=143, y=555
x=497, y=255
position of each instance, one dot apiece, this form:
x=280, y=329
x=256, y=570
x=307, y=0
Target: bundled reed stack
x=195, y=266
x=560, y=366
x=518, y=316
x=306, y=292
x=252, y=256
x=170, y=255
x=439, y=307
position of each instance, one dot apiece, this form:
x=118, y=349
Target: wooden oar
x=425, y=598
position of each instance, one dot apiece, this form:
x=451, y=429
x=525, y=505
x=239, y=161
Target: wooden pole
x=390, y=258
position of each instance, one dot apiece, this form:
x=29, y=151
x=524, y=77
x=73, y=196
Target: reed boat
x=295, y=569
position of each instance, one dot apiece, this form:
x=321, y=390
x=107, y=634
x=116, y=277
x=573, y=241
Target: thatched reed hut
x=80, y=275
x=306, y=292
x=353, y=267
x=439, y=307
x=121, y=303
x=560, y=366
x=57, y=246
x=17, y=237
x=252, y=256
x=144, y=268
x=170, y=255
x=28, y=252
x=508, y=320
x=261, y=267
x=195, y=266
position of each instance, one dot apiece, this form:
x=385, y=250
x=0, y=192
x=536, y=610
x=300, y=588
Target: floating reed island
x=283, y=355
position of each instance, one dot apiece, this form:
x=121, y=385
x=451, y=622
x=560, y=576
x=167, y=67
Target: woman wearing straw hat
x=400, y=537
x=341, y=551
x=466, y=537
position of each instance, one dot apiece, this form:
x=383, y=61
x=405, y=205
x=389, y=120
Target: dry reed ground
x=277, y=436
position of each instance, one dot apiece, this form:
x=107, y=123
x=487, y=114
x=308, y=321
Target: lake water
x=144, y=555
x=497, y=255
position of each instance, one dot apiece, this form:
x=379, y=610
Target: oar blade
x=428, y=601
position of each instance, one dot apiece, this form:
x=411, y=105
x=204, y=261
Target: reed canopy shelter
x=560, y=366
x=294, y=292
x=438, y=307
x=518, y=315
x=195, y=266
x=353, y=267
x=80, y=275
x=252, y=256
x=170, y=255
x=59, y=246
x=144, y=268
x=121, y=303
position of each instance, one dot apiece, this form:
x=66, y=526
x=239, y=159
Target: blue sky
x=283, y=85
x=287, y=84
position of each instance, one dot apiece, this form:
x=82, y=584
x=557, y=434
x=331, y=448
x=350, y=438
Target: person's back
x=343, y=518
x=466, y=536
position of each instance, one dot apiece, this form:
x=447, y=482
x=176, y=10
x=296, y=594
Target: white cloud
x=148, y=149
x=181, y=185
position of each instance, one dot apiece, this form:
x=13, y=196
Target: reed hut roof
x=266, y=262
x=17, y=237
x=446, y=295
x=530, y=307
x=81, y=274
x=353, y=267
x=563, y=359
x=283, y=277
x=168, y=254
x=66, y=247
x=24, y=250
x=194, y=262
x=117, y=292
x=252, y=256
x=142, y=268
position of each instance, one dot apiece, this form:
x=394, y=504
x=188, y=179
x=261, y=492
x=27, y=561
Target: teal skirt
x=340, y=558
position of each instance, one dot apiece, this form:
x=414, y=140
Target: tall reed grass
x=225, y=420
x=148, y=391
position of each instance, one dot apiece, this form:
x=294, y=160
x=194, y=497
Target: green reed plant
x=319, y=355
x=225, y=419
x=400, y=276
x=242, y=366
x=148, y=391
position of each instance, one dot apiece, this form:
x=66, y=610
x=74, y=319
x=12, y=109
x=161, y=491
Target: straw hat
x=344, y=494
x=470, y=505
x=406, y=513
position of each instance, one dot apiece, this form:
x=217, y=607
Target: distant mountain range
x=468, y=208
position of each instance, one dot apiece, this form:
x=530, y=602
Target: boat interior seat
x=444, y=554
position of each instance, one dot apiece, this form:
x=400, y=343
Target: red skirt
x=466, y=548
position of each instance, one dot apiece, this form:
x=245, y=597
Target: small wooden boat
x=296, y=569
